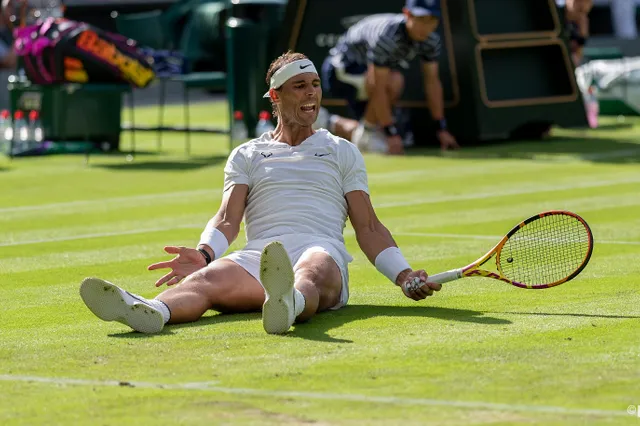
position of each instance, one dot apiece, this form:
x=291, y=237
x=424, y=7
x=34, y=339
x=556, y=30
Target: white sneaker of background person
x=369, y=140
x=111, y=303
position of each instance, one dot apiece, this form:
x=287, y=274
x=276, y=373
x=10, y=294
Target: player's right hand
x=415, y=285
x=395, y=146
x=187, y=261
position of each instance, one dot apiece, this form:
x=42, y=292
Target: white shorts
x=249, y=259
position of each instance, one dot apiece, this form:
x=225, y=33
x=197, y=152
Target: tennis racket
x=544, y=251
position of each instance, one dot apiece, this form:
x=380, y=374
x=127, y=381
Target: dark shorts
x=334, y=88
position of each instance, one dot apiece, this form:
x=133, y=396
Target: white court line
x=392, y=400
x=415, y=201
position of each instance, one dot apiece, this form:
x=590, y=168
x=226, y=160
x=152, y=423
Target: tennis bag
x=59, y=50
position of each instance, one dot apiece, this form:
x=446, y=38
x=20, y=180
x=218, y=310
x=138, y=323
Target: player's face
x=300, y=99
x=419, y=27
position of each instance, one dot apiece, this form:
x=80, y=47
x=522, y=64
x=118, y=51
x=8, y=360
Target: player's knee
x=322, y=272
x=207, y=282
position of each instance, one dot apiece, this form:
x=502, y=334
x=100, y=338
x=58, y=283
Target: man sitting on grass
x=294, y=187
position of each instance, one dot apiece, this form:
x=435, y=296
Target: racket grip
x=444, y=277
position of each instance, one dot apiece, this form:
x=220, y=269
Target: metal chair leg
x=133, y=124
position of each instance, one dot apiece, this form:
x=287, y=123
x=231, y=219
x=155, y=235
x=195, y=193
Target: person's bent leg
x=334, y=87
x=318, y=278
x=343, y=127
x=315, y=285
x=395, y=87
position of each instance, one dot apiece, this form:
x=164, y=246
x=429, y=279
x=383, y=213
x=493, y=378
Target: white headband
x=290, y=70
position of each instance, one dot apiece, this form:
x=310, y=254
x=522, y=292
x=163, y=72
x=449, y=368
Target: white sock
x=298, y=301
x=154, y=303
x=368, y=127
x=162, y=307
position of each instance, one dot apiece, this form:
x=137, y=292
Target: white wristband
x=215, y=239
x=390, y=262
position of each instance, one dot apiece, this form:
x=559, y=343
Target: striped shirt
x=383, y=41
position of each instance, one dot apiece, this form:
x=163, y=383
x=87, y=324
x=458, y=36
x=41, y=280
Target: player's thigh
x=228, y=286
x=317, y=266
x=395, y=86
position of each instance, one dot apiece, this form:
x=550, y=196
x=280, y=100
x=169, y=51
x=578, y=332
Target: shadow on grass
x=612, y=126
x=164, y=165
x=137, y=335
x=202, y=322
x=317, y=328
x=555, y=148
x=560, y=314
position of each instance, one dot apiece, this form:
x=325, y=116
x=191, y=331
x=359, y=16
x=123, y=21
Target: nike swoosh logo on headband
x=301, y=67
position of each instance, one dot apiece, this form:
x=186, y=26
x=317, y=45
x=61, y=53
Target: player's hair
x=279, y=62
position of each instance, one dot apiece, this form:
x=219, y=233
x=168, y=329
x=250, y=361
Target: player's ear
x=274, y=95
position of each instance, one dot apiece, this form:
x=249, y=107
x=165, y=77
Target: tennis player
x=295, y=188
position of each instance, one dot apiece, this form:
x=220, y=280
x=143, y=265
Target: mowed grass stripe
x=485, y=175
x=208, y=207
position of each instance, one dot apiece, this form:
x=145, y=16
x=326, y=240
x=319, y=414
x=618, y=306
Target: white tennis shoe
x=368, y=140
x=276, y=274
x=322, y=122
x=111, y=303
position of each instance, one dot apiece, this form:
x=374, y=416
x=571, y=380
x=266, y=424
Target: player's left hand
x=186, y=262
x=415, y=284
x=447, y=140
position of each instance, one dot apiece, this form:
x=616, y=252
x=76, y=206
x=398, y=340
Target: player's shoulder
x=248, y=148
x=325, y=136
x=342, y=147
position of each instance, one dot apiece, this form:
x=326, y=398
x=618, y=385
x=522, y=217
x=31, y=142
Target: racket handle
x=444, y=277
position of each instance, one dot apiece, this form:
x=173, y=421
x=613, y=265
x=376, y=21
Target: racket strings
x=546, y=250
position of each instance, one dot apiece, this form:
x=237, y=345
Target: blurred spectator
x=623, y=17
x=577, y=21
x=8, y=17
x=366, y=68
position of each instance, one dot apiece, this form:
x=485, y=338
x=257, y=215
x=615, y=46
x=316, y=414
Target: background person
x=365, y=67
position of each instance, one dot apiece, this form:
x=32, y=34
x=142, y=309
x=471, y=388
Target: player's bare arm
x=228, y=218
x=435, y=100
x=219, y=233
x=378, y=245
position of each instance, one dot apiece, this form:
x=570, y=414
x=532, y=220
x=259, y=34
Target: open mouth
x=308, y=107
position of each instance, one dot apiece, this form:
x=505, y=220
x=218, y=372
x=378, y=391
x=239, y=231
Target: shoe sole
x=276, y=274
x=106, y=301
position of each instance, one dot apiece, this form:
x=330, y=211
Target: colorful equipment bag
x=59, y=50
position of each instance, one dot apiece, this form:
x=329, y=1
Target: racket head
x=545, y=250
